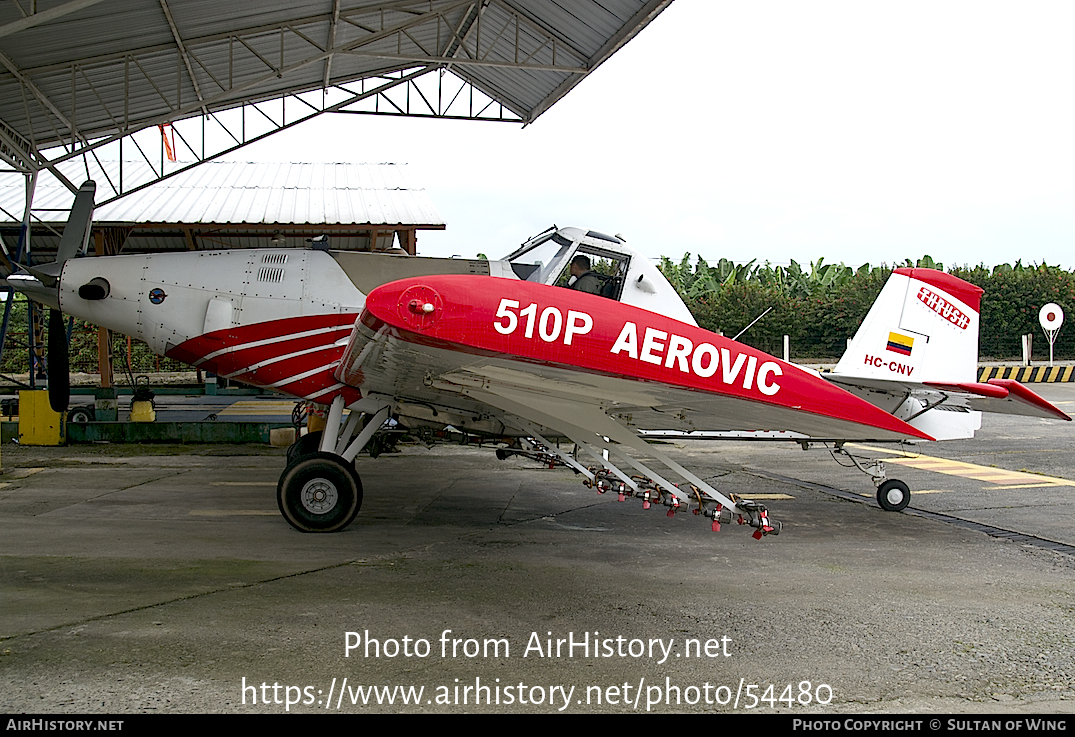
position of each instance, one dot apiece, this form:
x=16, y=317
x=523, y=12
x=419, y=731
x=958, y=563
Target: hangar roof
x=224, y=204
x=234, y=193
x=83, y=74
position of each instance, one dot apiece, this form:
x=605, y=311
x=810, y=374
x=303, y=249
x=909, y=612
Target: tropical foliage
x=821, y=305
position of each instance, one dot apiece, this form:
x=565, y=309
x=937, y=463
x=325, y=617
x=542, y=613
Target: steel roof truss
x=331, y=41
x=504, y=49
x=182, y=52
x=242, y=140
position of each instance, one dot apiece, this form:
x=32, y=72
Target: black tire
x=893, y=495
x=81, y=414
x=502, y=454
x=319, y=493
x=304, y=447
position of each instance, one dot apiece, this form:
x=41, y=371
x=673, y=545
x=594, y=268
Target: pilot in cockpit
x=583, y=279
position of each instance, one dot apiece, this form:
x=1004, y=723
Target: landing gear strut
x=892, y=494
x=319, y=490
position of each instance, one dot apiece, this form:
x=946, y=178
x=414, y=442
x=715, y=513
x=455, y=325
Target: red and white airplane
x=496, y=347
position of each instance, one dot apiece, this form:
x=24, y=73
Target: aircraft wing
x=1004, y=396
x=492, y=353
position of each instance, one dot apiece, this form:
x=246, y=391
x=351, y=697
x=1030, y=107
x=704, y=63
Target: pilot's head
x=580, y=265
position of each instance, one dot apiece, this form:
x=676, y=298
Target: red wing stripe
x=335, y=386
x=277, y=359
x=286, y=369
x=298, y=377
x=277, y=339
x=289, y=353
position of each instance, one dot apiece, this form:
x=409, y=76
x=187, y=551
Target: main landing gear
x=892, y=494
x=319, y=490
x=319, y=493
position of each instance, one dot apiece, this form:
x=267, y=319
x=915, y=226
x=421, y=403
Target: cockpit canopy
x=629, y=276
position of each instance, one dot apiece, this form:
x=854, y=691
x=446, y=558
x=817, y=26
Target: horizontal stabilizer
x=1001, y=396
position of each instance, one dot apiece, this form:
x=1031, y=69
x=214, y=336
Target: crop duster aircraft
x=496, y=347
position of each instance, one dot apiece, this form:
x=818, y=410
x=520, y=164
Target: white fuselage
x=170, y=298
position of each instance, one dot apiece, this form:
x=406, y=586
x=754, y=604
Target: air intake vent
x=274, y=258
x=271, y=274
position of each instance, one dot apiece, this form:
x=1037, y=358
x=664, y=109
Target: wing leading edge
x=430, y=337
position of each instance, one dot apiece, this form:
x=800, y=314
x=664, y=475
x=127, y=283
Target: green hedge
x=820, y=314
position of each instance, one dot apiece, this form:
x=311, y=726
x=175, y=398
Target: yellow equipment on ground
x=39, y=424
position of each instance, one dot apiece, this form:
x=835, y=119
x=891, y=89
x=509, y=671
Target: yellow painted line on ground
x=21, y=473
x=233, y=513
x=999, y=476
x=242, y=483
x=249, y=407
x=766, y=496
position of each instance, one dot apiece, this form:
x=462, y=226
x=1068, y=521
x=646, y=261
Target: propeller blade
x=58, y=363
x=76, y=234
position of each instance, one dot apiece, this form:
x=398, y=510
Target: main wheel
x=893, y=495
x=305, y=446
x=319, y=493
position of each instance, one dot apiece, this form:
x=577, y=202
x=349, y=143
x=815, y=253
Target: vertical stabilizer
x=922, y=328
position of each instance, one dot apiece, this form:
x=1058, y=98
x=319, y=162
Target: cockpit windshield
x=541, y=262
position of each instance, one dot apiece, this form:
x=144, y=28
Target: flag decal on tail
x=901, y=344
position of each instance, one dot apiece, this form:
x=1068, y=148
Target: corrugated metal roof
x=233, y=193
x=115, y=66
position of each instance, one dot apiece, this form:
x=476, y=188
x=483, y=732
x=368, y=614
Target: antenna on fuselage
x=748, y=327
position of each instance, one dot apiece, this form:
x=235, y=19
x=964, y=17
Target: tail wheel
x=893, y=495
x=319, y=493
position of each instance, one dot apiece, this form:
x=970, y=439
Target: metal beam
x=331, y=42
x=457, y=62
x=41, y=96
x=45, y=16
x=183, y=53
x=638, y=21
x=332, y=108
x=228, y=95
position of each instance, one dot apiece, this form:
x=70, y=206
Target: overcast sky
x=854, y=131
